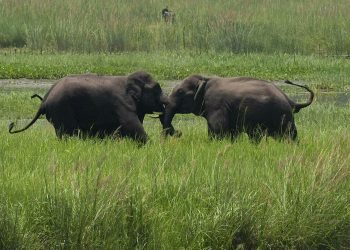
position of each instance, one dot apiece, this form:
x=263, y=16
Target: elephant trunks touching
x=167, y=119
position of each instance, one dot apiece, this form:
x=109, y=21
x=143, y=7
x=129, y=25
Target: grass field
x=176, y=193
x=323, y=73
x=306, y=26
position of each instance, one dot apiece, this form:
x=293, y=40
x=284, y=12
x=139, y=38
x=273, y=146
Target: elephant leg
x=234, y=135
x=256, y=134
x=133, y=128
x=285, y=130
x=65, y=130
x=64, y=123
x=294, y=133
x=288, y=129
x=218, y=124
x=291, y=132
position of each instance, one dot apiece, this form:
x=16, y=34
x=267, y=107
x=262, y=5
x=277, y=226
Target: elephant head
x=146, y=93
x=186, y=97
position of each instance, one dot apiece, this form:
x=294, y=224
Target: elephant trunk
x=167, y=119
x=164, y=99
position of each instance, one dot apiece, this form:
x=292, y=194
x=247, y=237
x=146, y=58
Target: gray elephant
x=91, y=105
x=235, y=105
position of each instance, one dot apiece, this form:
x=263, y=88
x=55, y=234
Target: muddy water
x=41, y=86
x=340, y=99
x=24, y=83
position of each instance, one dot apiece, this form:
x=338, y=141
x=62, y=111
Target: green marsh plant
x=239, y=26
x=187, y=192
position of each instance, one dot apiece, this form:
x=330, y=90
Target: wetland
x=176, y=193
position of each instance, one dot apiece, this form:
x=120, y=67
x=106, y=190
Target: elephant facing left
x=89, y=105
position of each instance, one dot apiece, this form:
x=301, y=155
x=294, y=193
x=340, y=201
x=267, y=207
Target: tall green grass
x=307, y=26
x=186, y=192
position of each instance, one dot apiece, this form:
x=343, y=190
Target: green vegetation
x=322, y=72
x=177, y=193
x=306, y=26
x=264, y=39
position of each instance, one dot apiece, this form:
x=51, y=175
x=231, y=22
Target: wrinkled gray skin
x=91, y=105
x=235, y=105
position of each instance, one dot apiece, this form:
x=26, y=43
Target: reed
x=304, y=27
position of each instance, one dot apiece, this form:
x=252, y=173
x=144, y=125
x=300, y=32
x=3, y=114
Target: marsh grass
x=323, y=73
x=311, y=27
x=189, y=192
x=186, y=192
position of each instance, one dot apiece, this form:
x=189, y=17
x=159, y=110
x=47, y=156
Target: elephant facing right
x=235, y=105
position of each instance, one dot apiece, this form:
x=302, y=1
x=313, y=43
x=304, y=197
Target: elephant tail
x=36, y=117
x=37, y=96
x=298, y=106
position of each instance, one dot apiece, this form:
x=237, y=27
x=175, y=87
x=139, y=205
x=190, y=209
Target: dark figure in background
x=167, y=15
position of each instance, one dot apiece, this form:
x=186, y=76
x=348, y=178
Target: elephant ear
x=199, y=97
x=136, y=83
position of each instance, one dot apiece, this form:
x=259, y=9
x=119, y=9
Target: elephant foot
x=171, y=132
x=177, y=133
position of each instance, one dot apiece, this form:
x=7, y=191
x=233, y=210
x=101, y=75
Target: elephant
x=89, y=105
x=232, y=106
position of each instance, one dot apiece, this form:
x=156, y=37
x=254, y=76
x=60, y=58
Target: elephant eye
x=180, y=92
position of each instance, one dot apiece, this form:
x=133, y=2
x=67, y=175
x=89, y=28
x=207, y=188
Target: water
x=339, y=99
